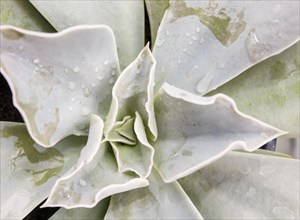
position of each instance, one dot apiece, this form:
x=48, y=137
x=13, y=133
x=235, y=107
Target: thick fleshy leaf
x=96, y=213
x=200, y=130
x=94, y=177
x=156, y=10
x=133, y=92
x=246, y=186
x=59, y=80
x=157, y=201
x=24, y=15
x=203, y=44
x=137, y=158
x=28, y=171
x=270, y=90
x=126, y=18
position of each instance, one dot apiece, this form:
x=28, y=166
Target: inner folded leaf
x=132, y=150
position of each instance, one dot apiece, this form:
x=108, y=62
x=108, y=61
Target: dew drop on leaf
x=76, y=69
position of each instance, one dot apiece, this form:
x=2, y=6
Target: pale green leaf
x=24, y=15
x=96, y=213
x=94, y=177
x=138, y=157
x=28, y=171
x=157, y=201
x=133, y=92
x=59, y=80
x=270, y=90
x=126, y=18
x=201, y=130
x=246, y=186
x=203, y=44
x=156, y=10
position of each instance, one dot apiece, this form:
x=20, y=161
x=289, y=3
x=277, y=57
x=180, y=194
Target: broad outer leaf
x=133, y=92
x=59, y=80
x=28, y=171
x=156, y=10
x=94, y=177
x=201, y=130
x=96, y=213
x=203, y=44
x=157, y=201
x=246, y=186
x=126, y=18
x=270, y=90
x=24, y=15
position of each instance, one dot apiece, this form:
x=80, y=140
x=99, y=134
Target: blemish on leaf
x=278, y=70
x=225, y=29
x=12, y=34
x=52, y=157
x=187, y=153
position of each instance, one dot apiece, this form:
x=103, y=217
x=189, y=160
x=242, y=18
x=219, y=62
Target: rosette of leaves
x=138, y=139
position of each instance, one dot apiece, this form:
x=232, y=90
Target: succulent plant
x=116, y=130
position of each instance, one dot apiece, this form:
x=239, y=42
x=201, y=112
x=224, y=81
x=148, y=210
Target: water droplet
x=71, y=85
x=168, y=32
x=251, y=192
x=73, y=99
x=190, y=42
x=138, y=71
x=86, y=91
x=202, y=40
x=203, y=85
x=221, y=65
x=21, y=47
x=76, y=69
x=66, y=70
x=111, y=81
x=100, y=77
x=82, y=182
x=267, y=169
x=85, y=111
x=106, y=62
x=213, y=4
x=187, y=34
x=179, y=61
x=36, y=61
x=256, y=49
x=93, y=84
x=184, y=50
x=113, y=73
x=160, y=42
x=197, y=29
x=96, y=69
x=70, y=108
x=194, y=38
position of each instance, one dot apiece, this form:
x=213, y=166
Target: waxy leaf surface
x=28, y=171
x=203, y=44
x=96, y=213
x=94, y=177
x=24, y=15
x=270, y=90
x=246, y=186
x=126, y=18
x=59, y=80
x=157, y=201
x=195, y=130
